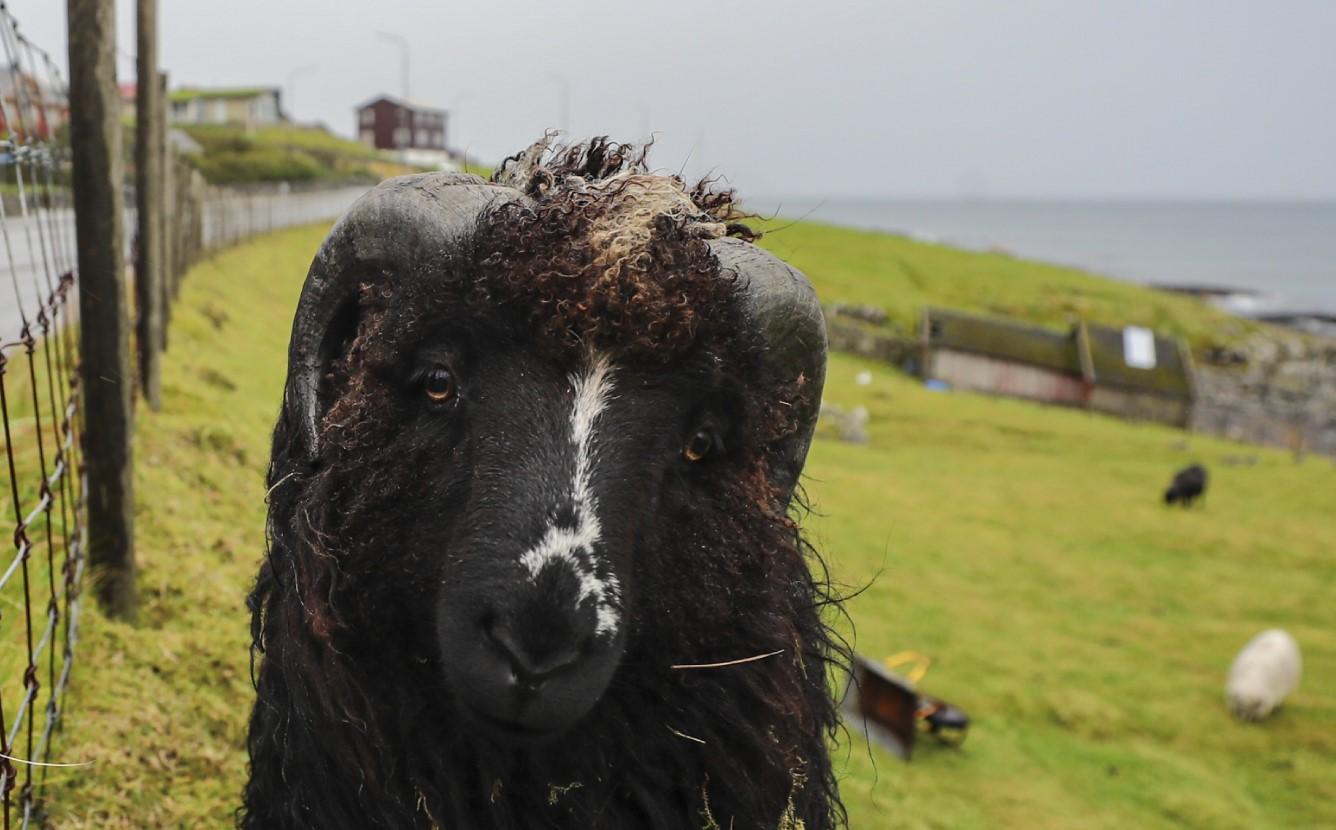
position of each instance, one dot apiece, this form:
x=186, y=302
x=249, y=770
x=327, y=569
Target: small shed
x=1129, y=372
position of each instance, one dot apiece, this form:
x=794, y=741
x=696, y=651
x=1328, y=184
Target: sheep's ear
x=782, y=307
x=412, y=228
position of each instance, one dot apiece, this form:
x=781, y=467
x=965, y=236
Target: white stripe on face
x=575, y=546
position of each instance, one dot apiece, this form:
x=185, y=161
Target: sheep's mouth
x=510, y=728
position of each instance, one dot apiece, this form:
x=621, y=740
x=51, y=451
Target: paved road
x=36, y=249
x=30, y=248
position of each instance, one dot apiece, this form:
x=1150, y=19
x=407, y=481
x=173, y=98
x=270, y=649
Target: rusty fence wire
x=43, y=495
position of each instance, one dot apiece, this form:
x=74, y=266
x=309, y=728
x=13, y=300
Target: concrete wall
x=435, y=159
x=978, y=373
x=965, y=370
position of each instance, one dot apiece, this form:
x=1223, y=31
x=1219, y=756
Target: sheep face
x=561, y=473
x=532, y=493
x=519, y=476
x=538, y=444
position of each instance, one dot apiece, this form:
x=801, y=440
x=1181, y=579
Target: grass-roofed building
x=246, y=106
x=1132, y=372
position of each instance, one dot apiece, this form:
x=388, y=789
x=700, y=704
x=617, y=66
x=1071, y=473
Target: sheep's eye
x=440, y=385
x=699, y=446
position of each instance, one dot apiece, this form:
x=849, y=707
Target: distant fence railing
x=233, y=214
x=69, y=246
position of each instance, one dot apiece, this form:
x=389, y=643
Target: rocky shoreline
x=1250, y=304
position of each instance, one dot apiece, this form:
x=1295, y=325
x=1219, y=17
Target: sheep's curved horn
x=407, y=226
x=782, y=306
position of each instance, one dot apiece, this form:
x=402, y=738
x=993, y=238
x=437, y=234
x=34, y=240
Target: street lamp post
x=402, y=42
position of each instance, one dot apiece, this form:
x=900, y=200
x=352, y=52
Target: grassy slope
x=902, y=276
x=287, y=152
x=160, y=708
x=284, y=135
x=1086, y=628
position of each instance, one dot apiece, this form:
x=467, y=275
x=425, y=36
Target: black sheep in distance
x=1188, y=485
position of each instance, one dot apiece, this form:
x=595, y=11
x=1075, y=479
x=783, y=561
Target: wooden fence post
x=1087, y=362
x=198, y=195
x=167, y=220
x=106, y=376
x=183, y=218
x=148, y=190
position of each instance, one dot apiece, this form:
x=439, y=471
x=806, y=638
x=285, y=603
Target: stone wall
x=1278, y=388
x=1275, y=389
x=865, y=331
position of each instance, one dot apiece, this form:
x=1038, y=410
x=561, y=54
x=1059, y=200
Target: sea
x=1260, y=258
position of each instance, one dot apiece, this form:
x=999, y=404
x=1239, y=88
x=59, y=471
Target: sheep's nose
x=528, y=661
x=535, y=658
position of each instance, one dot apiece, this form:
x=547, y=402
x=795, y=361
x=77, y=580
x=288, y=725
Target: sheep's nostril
x=532, y=666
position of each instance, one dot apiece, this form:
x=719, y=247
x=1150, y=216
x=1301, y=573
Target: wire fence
x=44, y=394
x=39, y=405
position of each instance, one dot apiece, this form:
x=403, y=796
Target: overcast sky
x=1060, y=98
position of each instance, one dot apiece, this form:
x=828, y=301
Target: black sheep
x=1188, y=485
x=534, y=466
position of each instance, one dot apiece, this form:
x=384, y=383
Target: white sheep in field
x=1265, y=672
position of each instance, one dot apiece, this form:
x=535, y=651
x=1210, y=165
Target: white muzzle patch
x=575, y=546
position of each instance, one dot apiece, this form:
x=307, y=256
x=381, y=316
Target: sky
x=1082, y=99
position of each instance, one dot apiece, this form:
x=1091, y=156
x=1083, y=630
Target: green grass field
x=1086, y=628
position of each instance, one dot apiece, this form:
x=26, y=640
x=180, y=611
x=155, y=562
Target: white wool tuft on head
x=1265, y=672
